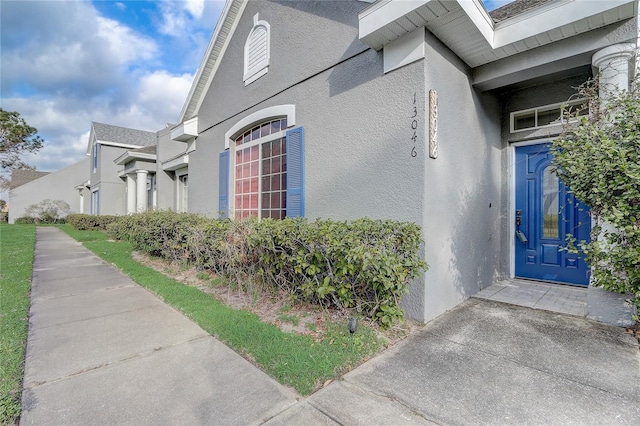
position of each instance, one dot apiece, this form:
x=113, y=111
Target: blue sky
x=130, y=63
x=494, y=4
x=65, y=64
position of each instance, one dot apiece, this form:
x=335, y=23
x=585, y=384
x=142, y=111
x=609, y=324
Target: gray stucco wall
x=358, y=141
x=112, y=188
x=58, y=185
x=461, y=215
x=165, y=181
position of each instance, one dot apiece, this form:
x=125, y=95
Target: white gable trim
x=225, y=28
x=288, y=111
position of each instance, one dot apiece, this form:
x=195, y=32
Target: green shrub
x=25, y=220
x=160, y=233
x=599, y=159
x=86, y=222
x=364, y=264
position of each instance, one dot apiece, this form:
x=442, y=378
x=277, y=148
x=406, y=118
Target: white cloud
x=164, y=94
x=77, y=52
x=195, y=7
x=72, y=66
x=180, y=17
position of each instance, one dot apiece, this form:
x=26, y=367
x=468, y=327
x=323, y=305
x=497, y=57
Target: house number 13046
x=414, y=126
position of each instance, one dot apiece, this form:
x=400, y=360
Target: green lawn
x=294, y=360
x=16, y=264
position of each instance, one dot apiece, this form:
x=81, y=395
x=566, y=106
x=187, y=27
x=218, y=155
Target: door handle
x=523, y=238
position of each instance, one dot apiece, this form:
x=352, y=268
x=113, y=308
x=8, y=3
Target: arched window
x=262, y=172
x=256, y=51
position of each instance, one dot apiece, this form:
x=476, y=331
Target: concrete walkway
x=102, y=350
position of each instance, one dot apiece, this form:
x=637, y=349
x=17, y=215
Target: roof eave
x=388, y=20
x=223, y=31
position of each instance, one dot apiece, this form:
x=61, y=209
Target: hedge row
x=364, y=264
x=86, y=222
x=29, y=220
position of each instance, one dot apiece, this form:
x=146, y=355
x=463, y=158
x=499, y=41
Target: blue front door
x=545, y=213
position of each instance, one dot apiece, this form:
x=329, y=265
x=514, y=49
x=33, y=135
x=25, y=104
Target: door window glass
x=550, y=193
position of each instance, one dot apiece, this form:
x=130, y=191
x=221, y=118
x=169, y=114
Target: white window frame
x=95, y=157
x=95, y=202
x=182, y=195
x=287, y=111
x=282, y=134
x=561, y=106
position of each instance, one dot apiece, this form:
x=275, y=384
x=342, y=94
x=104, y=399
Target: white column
x=141, y=191
x=131, y=194
x=613, y=67
x=81, y=209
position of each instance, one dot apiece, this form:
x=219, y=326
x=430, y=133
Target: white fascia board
x=548, y=17
x=118, y=144
x=92, y=140
x=216, y=34
x=185, y=131
x=176, y=163
x=384, y=12
x=540, y=20
x=479, y=16
x=216, y=64
x=130, y=156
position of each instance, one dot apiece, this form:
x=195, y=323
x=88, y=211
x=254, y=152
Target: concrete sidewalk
x=102, y=350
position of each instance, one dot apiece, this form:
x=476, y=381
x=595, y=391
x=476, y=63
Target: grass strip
x=294, y=360
x=16, y=266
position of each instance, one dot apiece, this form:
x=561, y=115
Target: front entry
x=545, y=213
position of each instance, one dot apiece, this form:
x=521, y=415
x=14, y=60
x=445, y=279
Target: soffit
x=466, y=28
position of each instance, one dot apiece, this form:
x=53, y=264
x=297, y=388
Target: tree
x=16, y=139
x=598, y=157
x=48, y=211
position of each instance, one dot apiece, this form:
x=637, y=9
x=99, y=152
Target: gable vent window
x=256, y=51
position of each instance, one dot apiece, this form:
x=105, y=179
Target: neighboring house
x=28, y=187
x=117, y=191
x=429, y=111
x=118, y=178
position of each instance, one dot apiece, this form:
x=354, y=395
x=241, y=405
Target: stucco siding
x=59, y=185
x=307, y=37
x=358, y=131
x=461, y=215
x=165, y=181
x=112, y=188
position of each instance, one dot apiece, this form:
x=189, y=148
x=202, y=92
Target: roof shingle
x=515, y=8
x=123, y=135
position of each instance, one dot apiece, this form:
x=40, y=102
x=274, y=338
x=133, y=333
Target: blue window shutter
x=223, y=184
x=295, y=173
